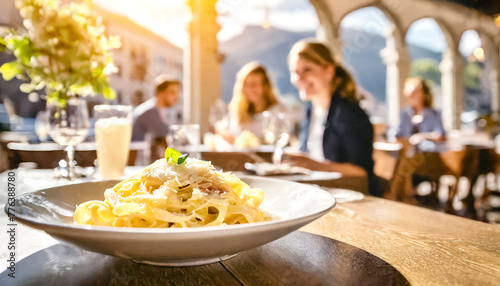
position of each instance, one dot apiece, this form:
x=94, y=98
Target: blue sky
x=168, y=18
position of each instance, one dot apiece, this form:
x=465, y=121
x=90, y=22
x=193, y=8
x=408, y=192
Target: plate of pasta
x=175, y=212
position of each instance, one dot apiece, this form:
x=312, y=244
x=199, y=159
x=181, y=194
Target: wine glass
x=276, y=129
x=218, y=115
x=68, y=125
x=185, y=138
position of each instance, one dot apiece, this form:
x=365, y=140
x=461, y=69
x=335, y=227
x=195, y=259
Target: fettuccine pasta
x=192, y=194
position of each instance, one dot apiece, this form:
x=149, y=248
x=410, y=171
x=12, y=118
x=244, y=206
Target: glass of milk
x=113, y=133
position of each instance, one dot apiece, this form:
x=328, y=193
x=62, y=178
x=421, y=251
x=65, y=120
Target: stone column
x=334, y=42
x=495, y=94
x=397, y=61
x=494, y=79
x=201, y=64
x=452, y=85
x=328, y=31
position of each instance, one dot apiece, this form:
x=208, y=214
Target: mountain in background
x=271, y=46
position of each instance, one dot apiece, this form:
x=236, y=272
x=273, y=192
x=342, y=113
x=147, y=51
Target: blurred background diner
x=253, y=95
x=419, y=121
x=423, y=69
x=150, y=117
x=336, y=133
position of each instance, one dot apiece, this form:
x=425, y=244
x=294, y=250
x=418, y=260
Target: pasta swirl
x=192, y=194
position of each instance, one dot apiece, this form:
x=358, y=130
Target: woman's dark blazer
x=348, y=137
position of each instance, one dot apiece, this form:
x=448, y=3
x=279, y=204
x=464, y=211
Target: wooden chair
x=432, y=166
x=386, y=157
x=488, y=162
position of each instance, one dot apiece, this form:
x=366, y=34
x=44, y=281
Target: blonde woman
x=252, y=95
x=335, y=132
x=419, y=121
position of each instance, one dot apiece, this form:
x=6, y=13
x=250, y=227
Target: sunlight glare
x=479, y=54
x=166, y=18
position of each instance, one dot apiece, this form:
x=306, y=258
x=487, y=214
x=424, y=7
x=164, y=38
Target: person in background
x=419, y=121
x=150, y=116
x=252, y=95
x=335, y=132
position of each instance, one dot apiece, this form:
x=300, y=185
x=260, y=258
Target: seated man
x=150, y=117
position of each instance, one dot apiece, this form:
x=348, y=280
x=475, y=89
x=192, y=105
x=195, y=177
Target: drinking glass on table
x=68, y=125
x=218, y=112
x=218, y=117
x=41, y=128
x=113, y=133
x=276, y=129
x=185, y=138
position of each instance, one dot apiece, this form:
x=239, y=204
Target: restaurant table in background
x=234, y=158
x=230, y=155
x=47, y=155
x=368, y=241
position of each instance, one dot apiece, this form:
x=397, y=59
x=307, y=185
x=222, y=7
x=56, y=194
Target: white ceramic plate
x=52, y=210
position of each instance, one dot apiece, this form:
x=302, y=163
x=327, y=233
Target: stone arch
x=397, y=32
x=492, y=52
x=402, y=14
x=363, y=33
x=394, y=55
x=451, y=70
x=329, y=31
x=489, y=43
x=450, y=39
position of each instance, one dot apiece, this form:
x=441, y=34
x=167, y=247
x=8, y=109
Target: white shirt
x=317, y=130
x=254, y=125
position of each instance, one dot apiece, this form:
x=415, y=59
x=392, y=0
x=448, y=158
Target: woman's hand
x=415, y=139
x=304, y=161
x=225, y=133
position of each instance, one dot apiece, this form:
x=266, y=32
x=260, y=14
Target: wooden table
x=371, y=241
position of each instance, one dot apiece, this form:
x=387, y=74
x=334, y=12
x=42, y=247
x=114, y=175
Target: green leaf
x=172, y=155
x=175, y=157
x=182, y=159
x=108, y=92
x=10, y=70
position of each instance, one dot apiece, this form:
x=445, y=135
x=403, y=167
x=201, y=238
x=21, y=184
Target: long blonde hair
x=239, y=104
x=320, y=54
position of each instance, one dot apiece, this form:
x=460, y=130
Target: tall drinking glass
x=68, y=125
x=218, y=117
x=113, y=133
x=41, y=128
x=276, y=129
x=185, y=138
